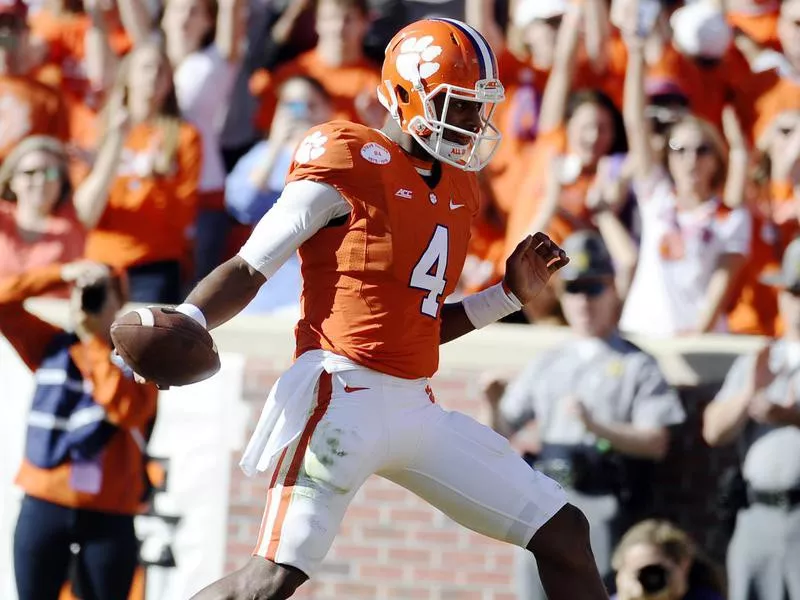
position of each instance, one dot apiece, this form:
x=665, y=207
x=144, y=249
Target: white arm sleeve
x=303, y=208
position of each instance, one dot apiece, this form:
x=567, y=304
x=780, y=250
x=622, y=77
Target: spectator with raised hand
x=75, y=39
x=83, y=469
x=526, y=57
x=691, y=46
x=38, y=224
x=758, y=409
x=203, y=40
x=140, y=199
x=28, y=106
x=576, y=130
x=337, y=62
x=258, y=179
x=657, y=560
x=693, y=243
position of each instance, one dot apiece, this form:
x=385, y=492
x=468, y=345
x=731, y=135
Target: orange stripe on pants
x=269, y=498
x=323, y=400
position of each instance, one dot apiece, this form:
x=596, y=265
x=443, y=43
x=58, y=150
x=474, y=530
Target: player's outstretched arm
x=303, y=208
x=226, y=291
x=528, y=270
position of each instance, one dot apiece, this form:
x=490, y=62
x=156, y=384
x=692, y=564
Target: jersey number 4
x=429, y=272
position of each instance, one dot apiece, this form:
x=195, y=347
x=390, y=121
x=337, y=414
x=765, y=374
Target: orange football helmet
x=442, y=56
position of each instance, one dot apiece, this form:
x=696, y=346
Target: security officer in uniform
x=758, y=408
x=600, y=404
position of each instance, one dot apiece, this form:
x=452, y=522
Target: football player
x=381, y=220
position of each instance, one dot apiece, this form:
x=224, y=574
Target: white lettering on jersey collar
x=311, y=148
x=404, y=193
x=433, y=198
x=375, y=153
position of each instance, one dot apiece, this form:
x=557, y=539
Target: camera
x=93, y=297
x=653, y=578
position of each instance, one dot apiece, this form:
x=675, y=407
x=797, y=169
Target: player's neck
x=392, y=130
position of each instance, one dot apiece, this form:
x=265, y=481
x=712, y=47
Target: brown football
x=165, y=347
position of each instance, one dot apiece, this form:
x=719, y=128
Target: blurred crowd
x=658, y=140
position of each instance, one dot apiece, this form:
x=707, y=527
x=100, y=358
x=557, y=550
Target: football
x=165, y=347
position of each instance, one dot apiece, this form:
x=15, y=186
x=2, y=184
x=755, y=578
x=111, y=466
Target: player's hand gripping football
x=530, y=266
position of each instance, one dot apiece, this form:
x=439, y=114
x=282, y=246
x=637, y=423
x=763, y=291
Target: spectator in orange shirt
x=83, y=484
x=757, y=19
x=784, y=68
x=338, y=62
x=140, y=200
x=776, y=222
x=691, y=47
x=80, y=43
x=38, y=225
x=62, y=32
x=576, y=131
x=203, y=39
x=27, y=107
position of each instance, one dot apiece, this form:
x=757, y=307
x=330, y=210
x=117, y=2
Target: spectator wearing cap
x=693, y=244
x=203, y=40
x=28, y=107
x=758, y=409
x=337, y=61
x=38, y=224
x=600, y=404
x=83, y=470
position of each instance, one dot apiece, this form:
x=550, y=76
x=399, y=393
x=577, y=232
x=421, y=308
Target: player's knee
x=564, y=539
x=261, y=579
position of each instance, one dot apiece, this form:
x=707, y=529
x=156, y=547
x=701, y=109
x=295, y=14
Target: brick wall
x=392, y=545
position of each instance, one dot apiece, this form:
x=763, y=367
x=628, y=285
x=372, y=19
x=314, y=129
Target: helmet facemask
x=430, y=131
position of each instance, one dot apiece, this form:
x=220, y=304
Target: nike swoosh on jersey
x=350, y=390
x=455, y=206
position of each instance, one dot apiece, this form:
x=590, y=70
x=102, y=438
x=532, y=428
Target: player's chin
x=457, y=138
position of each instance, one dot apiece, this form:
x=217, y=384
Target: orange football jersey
x=373, y=287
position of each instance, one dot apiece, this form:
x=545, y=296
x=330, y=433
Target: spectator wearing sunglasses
x=693, y=243
x=600, y=405
x=38, y=225
x=758, y=409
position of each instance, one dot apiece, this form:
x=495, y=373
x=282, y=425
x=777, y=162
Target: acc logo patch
x=375, y=153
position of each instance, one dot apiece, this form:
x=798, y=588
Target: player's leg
x=315, y=480
x=474, y=476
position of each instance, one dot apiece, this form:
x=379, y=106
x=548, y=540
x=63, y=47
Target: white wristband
x=490, y=305
x=190, y=310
